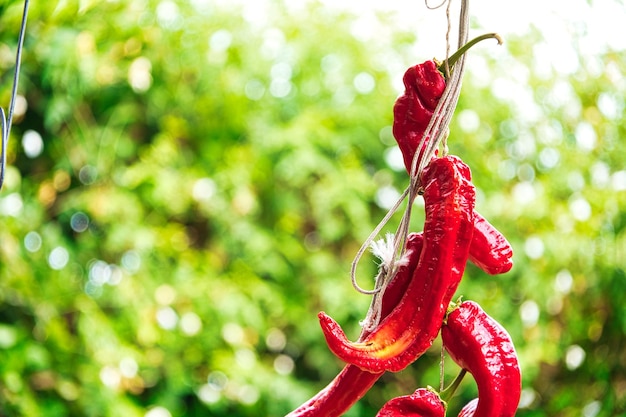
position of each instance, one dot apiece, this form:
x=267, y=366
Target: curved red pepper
x=490, y=251
x=409, y=330
x=422, y=403
x=352, y=382
x=346, y=389
x=479, y=344
x=424, y=85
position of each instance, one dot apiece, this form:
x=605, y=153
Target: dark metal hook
x=6, y=122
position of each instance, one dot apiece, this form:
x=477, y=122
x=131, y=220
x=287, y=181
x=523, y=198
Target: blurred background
x=189, y=181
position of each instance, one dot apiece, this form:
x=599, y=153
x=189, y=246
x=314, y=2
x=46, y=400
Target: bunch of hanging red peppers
x=417, y=303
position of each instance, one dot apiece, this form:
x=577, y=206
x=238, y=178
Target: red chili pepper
x=422, y=403
x=490, y=250
x=409, y=330
x=346, y=389
x=352, y=382
x=424, y=85
x=480, y=345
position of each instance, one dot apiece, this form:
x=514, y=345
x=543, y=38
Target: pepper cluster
x=417, y=304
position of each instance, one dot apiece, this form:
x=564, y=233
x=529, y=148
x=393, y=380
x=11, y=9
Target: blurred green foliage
x=189, y=182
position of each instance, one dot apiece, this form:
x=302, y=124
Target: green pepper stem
x=452, y=59
x=447, y=393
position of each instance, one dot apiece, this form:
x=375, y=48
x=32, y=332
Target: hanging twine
x=6, y=122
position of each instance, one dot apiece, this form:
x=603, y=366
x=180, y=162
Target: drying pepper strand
x=424, y=85
x=352, y=382
x=409, y=330
x=480, y=345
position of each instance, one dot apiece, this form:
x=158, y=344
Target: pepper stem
x=452, y=59
x=447, y=393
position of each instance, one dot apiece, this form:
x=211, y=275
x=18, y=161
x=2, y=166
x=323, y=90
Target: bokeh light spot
x=131, y=261
x=165, y=294
x=208, y=395
x=364, y=83
x=167, y=318
x=386, y=197
x=128, y=367
x=168, y=15
x=140, y=74
x=220, y=40
x=245, y=358
x=254, y=89
x=534, y=247
x=217, y=380
x=592, y=409
x=563, y=281
x=248, y=394
x=79, y=222
x=58, y=258
x=32, y=241
x=158, y=412
x=283, y=364
x=275, y=340
x=32, y=143
x=548, y=158
x=586, y=137
x=469, y=121
x=190, y=323
x=529, y=312
x=88, y=174
x=580, y=208
x=110, y=376
x=574, y=357
x=11, y=205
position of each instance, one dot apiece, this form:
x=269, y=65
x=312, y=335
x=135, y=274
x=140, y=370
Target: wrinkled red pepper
x=352, y=382
x=480, y=345
x=422, y=403
x=409, y=330
x=424, y=85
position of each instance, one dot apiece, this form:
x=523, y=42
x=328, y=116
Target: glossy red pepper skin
x=409, y=330
x=422, y=403
x=424, y=84
x=480, y=345
x=352, y=383
x=469, y=409
x=346, y=389
x=490, y=250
